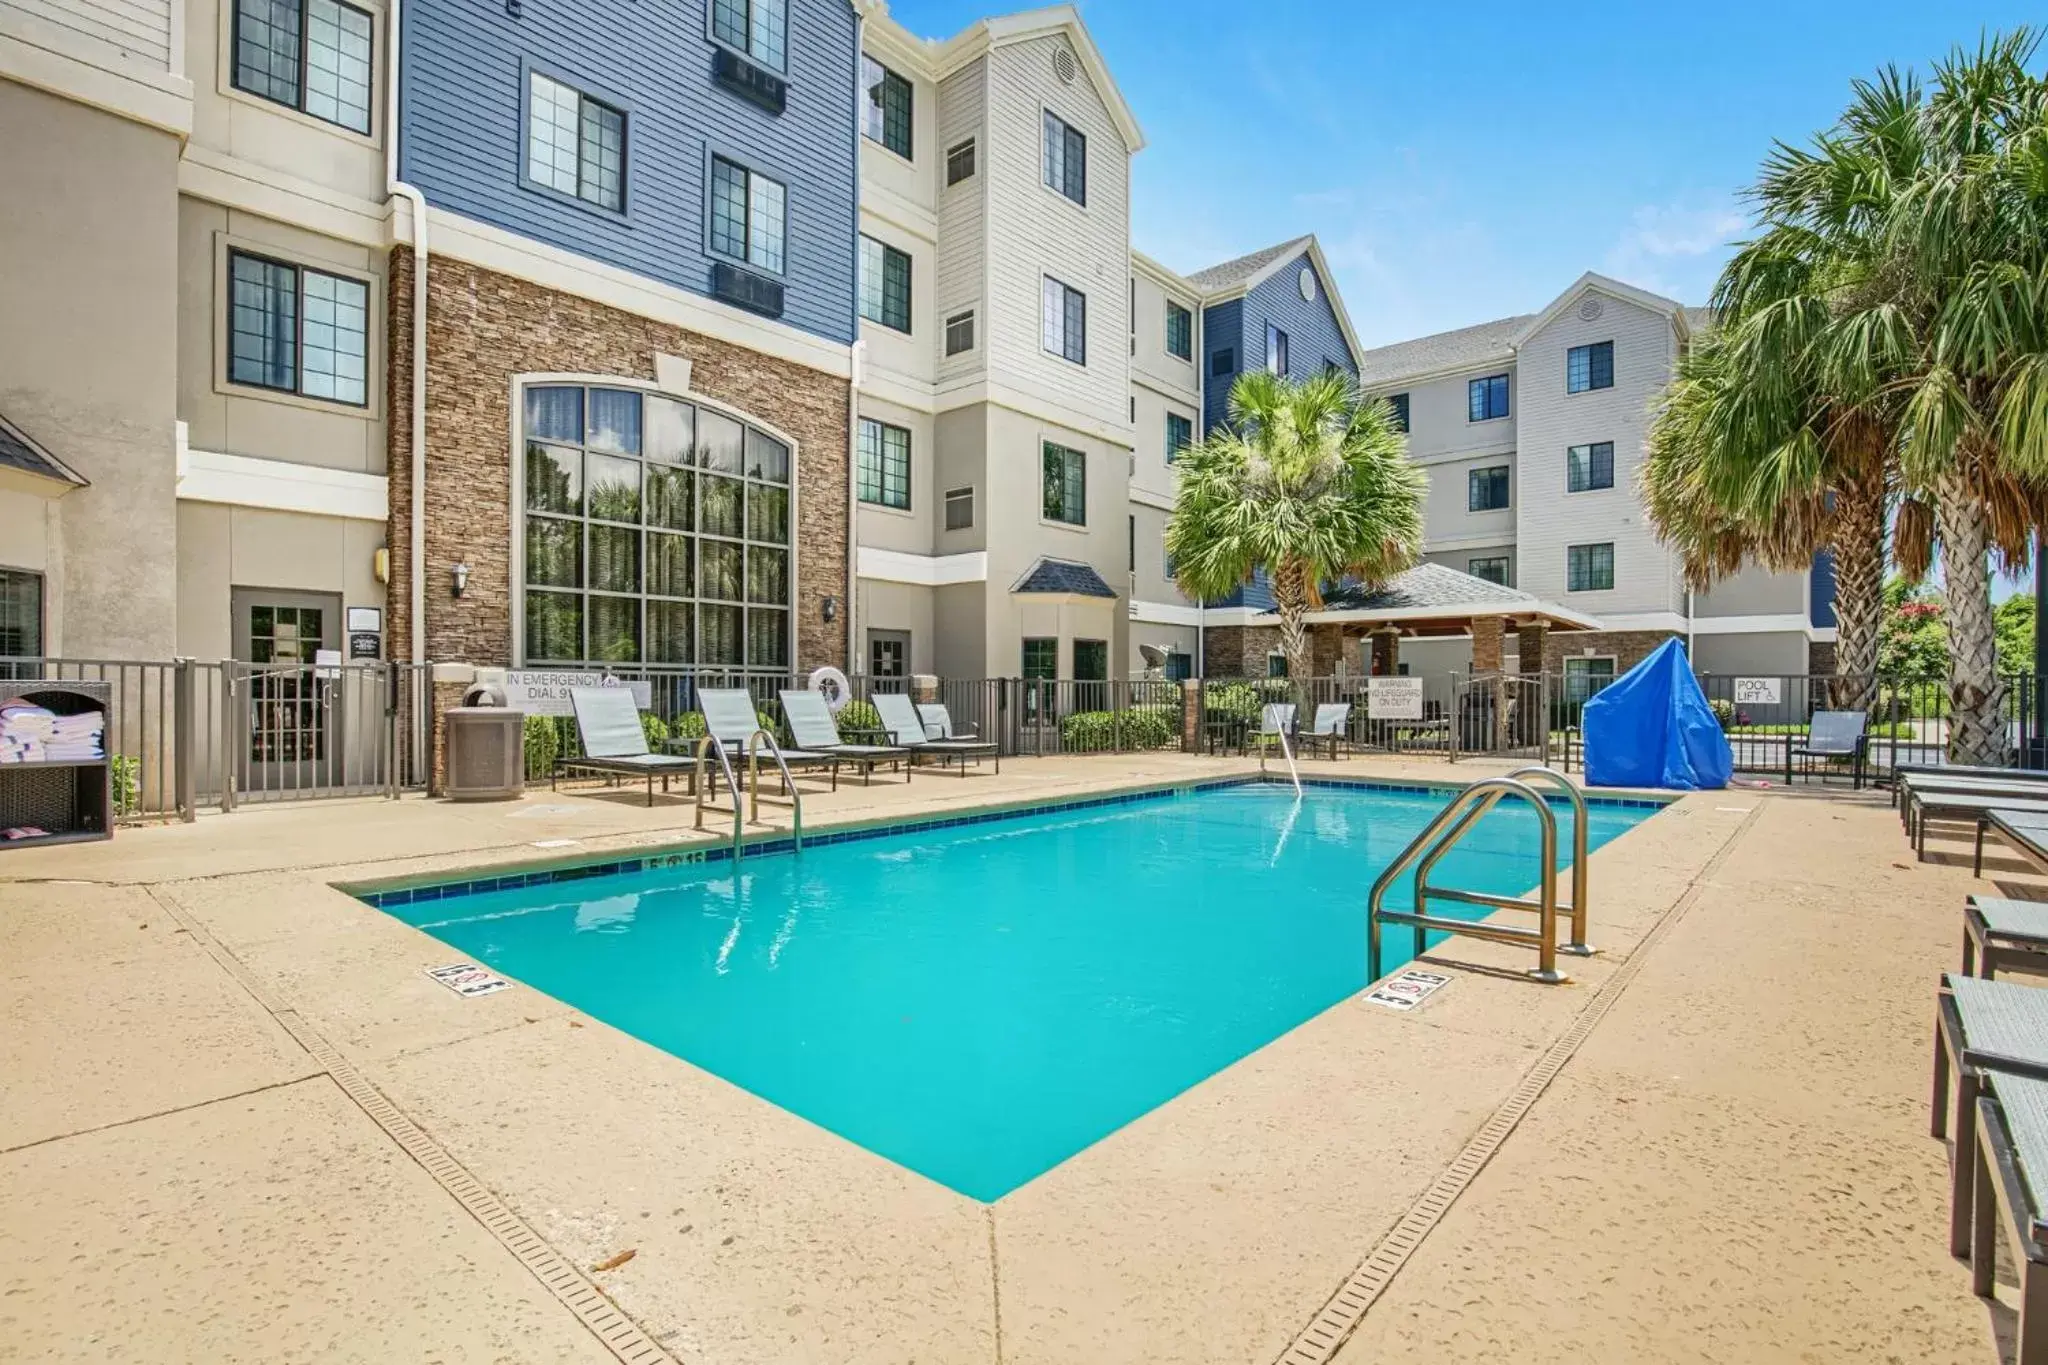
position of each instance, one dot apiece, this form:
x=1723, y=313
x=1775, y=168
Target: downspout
x=394, y=188
x=855, y=355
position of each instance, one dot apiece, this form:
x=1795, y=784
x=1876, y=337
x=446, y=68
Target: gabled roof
x=1434, y=598
x=1051, y=575
x=1476, y=345
x=1249, y=271
x=21, y=453
x=1614, y=288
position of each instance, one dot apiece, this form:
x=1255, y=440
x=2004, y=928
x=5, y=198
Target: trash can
x=486, y=752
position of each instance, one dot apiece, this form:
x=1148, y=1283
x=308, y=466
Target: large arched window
x=655, y=531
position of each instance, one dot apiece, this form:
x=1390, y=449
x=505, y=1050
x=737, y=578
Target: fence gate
x=299, y=730
x=1501, y=715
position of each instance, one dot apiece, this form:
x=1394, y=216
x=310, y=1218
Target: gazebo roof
x=1434, y=599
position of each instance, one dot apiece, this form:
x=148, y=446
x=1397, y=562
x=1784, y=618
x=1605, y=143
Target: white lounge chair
x=1328, y=731
x=608, y=724
x=812, y=727
x=907, y=728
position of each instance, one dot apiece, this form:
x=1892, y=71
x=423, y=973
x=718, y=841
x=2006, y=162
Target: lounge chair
x=1974, y=807
x=2009, y=1161
x=608, y=723
x=938, y=722
x=2024, y=831
x=1831, y=734
x=812, y=727
x=907, y=728
x=1980, y=1026
x=730, y=720
x=2004, y=933
x=1328, y=730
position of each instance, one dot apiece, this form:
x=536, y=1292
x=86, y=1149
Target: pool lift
x=1460, y=814
x=1275, y=719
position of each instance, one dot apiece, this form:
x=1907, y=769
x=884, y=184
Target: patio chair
x=1980, y=1027
x=812, y=727
x=1831, y=734
x=938, y=722
x=1998, y=932
x=608, y=724
x=2024, y=831
x=1975, y=807
x=730, y=720
x=907, y=728
x=2009, y=1161
x=1327, y=731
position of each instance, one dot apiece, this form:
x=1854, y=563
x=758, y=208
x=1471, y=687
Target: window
x=1590, y=467
x=1492, y=568
x=1589, y=367
x=883, y=476
x=1066, y=321
x=759, y=28
x=1179, y=666
x=575, y=145
x=1276, y=664
x=1589, y=568
x=1486, y=490
x=884, y=284
x=1167, y=566
x=888, y=653
x=297, y=330
x=1091, y=664
x=1584, y=678
x=960, y=332
x=959, y=161
x=652, y=531
x=1180, y=331
x=312, y=55
x=1399, y=403
x=1041, y=657
x=1223, y=362
x=1066, y=159
x=959, y=509
x=1180, y=433
x=1276, y=350
x=747, y=215
x=1488, y=398
x=886, y=117
x=1066, y=485
x=1132, y=567
x=21, y=615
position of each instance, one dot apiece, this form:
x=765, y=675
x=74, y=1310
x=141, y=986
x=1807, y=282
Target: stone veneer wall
x=1237, y=651
x=1820, y=657
x=1629, y=647
x=483, y=328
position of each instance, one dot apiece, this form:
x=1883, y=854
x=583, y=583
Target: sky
x=1466, y=163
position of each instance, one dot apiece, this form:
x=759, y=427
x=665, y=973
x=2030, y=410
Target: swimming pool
x=979, y=1001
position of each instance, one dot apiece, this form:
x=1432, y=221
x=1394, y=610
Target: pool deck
x=237, y=1122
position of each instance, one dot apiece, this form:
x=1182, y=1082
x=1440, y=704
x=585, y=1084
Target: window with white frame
x=1065, y=321
x=959, y=161
x=575, y=145
x=297, y=330
x=1180, y=434
x=1066, y=159
x=959, y=509
x=1180, y=331
x=1486, y=489
x=1589, y=367
x=746, y=215
x=310, y=55
x=960, y=332
x=21, y=615
x=886, y=112
x=1492, y=568
x=1589, y=467
x=882, y=472
x=884, y=284
x=1487, y=398
x=759, y=28
x=1589, y=568
x=1276, y=351
x=1066, y=485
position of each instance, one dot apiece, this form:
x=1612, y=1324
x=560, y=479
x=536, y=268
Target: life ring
x=833, y=684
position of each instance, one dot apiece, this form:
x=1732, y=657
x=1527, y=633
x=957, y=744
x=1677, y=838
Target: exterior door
x=290, y=713
x=1041, y=671
x=1091, y=675
x=888, y=654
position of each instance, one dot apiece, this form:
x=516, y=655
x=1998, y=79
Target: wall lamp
x=831, y=609
x=461, y=576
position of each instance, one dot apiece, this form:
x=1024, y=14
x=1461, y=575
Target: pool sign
x=466, y=978
x=546, y=693
x=1756, y=691
x=1406, y=991
x=1393, y=698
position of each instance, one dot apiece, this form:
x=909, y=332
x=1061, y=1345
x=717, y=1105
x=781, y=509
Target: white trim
x=925, y=571
x=1613, y=288
x=1654, y=620
x=76, y=68
x=508, y=253
x=215, y=176
x=1146, y=497
x=1749, y=625
x=281, y=486
x=1821, y=634
x=1476, y=541
x=1165, y=613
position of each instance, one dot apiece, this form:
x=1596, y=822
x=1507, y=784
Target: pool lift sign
x=1407, y=990
x=466, y=978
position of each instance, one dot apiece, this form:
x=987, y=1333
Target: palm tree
x=1309, y=482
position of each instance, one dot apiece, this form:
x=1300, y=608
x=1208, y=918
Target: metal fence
x=184, y=735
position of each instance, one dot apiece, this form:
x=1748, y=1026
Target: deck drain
x=619, y=1334
x=1346, y=1309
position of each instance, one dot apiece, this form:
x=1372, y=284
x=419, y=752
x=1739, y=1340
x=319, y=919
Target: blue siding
x=1257, y=594
x=1311, y=324
x=463, y=145
x=1221, y=328
x=1821, y=604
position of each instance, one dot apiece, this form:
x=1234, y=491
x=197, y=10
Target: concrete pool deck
x=237, y=1122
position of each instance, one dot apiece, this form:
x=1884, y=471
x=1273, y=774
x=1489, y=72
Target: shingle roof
x=1428, y=586
x=20, y=451
x=1244, y=267
x=1443, y=350
x=1063, y=575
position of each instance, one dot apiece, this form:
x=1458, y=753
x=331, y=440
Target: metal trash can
x=486, y=752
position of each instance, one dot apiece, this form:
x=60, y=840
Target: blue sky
x=1466, y=163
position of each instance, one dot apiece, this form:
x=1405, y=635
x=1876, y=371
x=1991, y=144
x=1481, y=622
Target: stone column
x=1325, y=647
x=1530, y=637
x=1386, y=653
x=924, y=688
x=1488, y=635
x=451, y=681
x=1191, y=715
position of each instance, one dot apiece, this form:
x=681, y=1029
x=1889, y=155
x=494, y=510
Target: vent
x=1590, y=309
x=751, y=83
x=1063, y=65
x=1308, y=284
x=745, y=289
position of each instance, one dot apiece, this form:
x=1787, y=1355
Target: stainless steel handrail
x=1581, y=871
x=1459, y=814
x=707, y=746
x=796, y=798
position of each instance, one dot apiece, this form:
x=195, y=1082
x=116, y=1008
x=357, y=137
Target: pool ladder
x=1459, y=815
x=709, y=747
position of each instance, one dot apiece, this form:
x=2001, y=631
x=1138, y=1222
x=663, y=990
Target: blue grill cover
x=1651, y=727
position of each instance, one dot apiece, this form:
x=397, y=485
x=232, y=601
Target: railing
x=796, y=798
x=1459, y=815
x=706, y=748
x=1581, y=869
x=1275, y=724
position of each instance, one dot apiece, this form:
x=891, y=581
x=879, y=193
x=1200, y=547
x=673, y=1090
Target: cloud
x=1675, y=249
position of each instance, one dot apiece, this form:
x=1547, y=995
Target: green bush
x=1137, y=727
x=1724, y=711
x=1242, y=701
x=546, y=739
x=858, y=715
x=126, y=772
x=656, y=730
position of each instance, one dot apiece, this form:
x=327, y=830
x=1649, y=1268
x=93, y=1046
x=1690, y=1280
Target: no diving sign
x=466, y=978
x=1406, y=991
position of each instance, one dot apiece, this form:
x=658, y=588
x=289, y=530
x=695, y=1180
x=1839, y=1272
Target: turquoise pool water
x=980, y=1002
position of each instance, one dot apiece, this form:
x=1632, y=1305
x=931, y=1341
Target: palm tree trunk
x=1290, y=597
x=1976, y=722
x=1858, y=546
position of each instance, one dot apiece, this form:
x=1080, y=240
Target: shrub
x=1137, y=727
x=1724, y=711
x=656, y=730
x=126, y=772
x=858, y=715
x=544, y=740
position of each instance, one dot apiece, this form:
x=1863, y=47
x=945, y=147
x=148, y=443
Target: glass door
x=289, y=709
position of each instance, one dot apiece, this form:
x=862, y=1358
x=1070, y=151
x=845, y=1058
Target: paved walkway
x=1733, y=1166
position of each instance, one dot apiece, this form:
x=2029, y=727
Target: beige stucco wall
x=1754, y=592
x=224, y=548
x=960, y=635
x=1752, y=654
x=88, y=361
x=897, y=606
x=906, y=529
